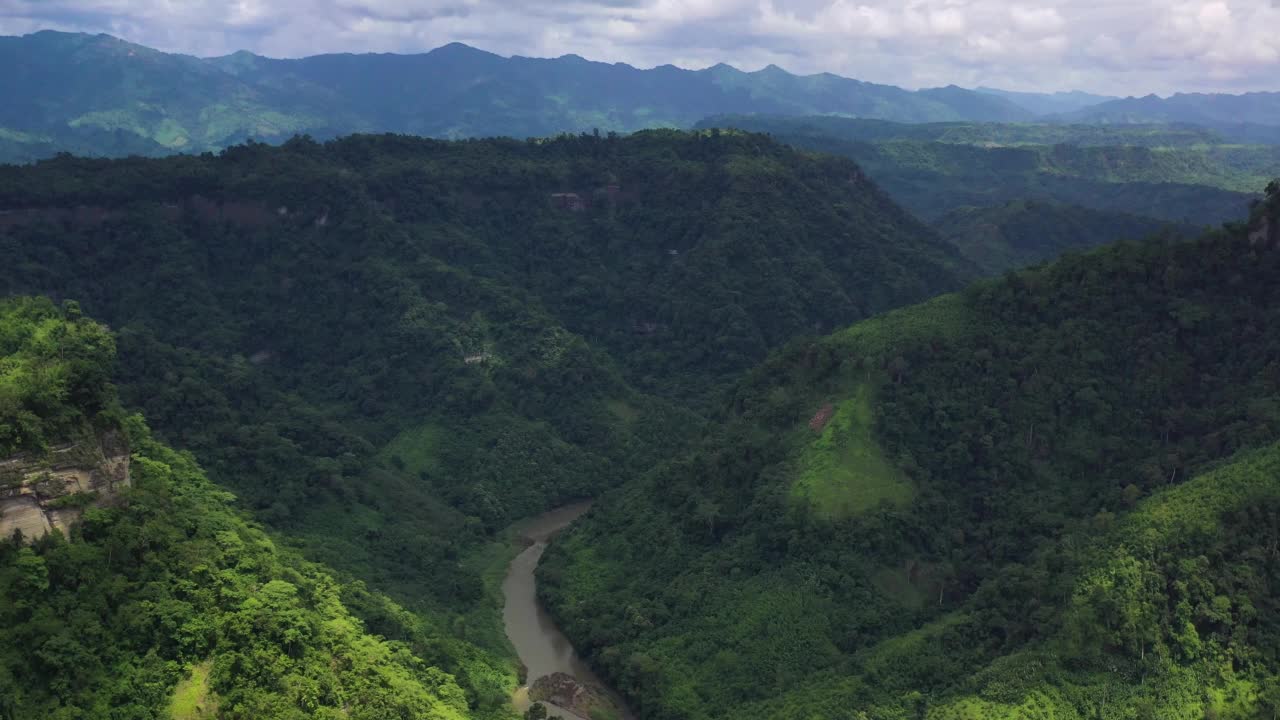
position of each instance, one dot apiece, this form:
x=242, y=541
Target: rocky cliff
x=38, y=494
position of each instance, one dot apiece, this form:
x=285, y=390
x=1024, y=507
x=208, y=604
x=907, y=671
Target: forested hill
x=1025, y=232
x=163, y=601
x=99, y=95
x=391, y=347
x=1055, y=494
x=1172, y=173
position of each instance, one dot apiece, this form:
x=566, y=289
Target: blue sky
x=1113, y=46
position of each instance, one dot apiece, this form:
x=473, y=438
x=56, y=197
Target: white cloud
x=1036, y=20
x=1119, y=46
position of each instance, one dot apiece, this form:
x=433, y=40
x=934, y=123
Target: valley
x=457, y=385
x=854, y=515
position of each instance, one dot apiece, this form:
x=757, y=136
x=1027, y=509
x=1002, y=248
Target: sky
x=1121, y=47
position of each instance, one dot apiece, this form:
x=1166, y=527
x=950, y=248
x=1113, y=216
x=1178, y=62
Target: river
x=540, y=645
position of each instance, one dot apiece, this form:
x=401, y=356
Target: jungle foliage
x=166, y=602
x=1088, y=529
x=1174, y=173
x=390, y=348
x=1026, y=232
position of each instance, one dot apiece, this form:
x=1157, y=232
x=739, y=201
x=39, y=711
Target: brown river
x=540, y=645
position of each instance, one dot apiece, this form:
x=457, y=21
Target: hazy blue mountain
x=1049, y=103
x=1213, y=110
x=99, y=95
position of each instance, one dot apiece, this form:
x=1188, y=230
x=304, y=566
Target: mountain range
x=100, y=95
x=96, y=93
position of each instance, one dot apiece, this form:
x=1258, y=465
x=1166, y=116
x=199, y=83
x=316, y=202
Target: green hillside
x=1170, y=173
x=99, y=95
x=1027, y=232
x=977, y=507
x=391, y=348
x=165, y=602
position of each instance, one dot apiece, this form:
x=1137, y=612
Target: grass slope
x=844, y=470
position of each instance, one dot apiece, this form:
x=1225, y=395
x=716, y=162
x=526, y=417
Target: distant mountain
x=1212, y=110
x=1026, y=232
x=1049, y=103
x=1179, y=175
x=99, y=95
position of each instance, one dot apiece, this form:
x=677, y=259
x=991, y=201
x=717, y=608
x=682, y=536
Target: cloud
x=1115, y=46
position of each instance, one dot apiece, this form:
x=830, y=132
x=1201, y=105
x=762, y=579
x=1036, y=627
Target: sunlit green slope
x=164, y=601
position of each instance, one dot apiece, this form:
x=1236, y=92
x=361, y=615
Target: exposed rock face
x=38, y=494
x=564, y=690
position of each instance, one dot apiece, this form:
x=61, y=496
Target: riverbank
x=568, y=685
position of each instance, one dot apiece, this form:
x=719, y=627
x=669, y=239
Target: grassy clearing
x=942, y=317
x=622, y=410
x=417, y=449
x=844, y=471
x=191, y=698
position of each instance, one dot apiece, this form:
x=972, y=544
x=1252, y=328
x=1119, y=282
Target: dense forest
x=1173, y=173
x=1053, y=495
x=390, y=348
x=809, y=399
x=1026, y=232
x=165, y=602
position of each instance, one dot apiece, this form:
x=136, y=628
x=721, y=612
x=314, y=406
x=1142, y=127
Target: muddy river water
x=541, y=646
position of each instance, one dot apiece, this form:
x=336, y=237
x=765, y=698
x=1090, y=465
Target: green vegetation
x=844, y=471
x=1092, y=449
x=165, y=602
x=390, y=348
x=416, y=451
x=1052, y=494
x=981, y=134
x=191, y=698
x=1169, y=173
x=1026, y=232
x=54, y=374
